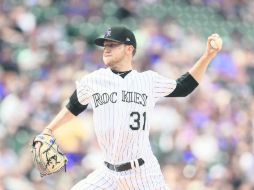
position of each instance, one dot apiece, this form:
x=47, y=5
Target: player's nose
x=106, y=50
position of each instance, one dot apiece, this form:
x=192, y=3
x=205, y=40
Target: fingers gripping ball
x=216, y=42
x=213, y=44
x=47, y=156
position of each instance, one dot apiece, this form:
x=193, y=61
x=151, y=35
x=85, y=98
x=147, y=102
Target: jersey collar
x=121, y=73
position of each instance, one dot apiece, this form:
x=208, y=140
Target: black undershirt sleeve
x=74, y=106
x=184, y=86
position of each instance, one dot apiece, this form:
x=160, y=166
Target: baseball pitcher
x=123, y=100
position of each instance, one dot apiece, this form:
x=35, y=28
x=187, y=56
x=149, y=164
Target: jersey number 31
x=137, y=120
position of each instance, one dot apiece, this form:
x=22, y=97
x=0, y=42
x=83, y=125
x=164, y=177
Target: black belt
x=125, y=166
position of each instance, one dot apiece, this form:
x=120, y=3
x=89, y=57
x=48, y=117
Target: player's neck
x=122, y=67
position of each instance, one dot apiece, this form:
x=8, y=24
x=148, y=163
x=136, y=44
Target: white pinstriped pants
x=142, y=178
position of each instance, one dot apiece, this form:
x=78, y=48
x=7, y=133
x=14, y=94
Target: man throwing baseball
x=123, y=100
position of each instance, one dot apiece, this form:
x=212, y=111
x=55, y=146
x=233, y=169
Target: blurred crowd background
x=203, y=141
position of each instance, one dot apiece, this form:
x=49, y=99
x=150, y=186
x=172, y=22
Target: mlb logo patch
x=108, y=33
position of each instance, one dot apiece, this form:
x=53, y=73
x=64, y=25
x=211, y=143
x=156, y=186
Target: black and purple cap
x=118, y=34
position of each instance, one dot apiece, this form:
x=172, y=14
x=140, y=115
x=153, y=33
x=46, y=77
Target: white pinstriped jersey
x=122, y=108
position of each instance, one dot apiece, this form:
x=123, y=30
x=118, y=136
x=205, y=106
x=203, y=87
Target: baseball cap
x=118, y=34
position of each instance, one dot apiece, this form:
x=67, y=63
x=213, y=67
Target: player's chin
x=107, y=61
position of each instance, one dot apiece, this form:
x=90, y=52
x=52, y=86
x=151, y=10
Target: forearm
x=200, y=67
x=62, y=117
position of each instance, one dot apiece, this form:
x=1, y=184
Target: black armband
x=74, y=106
x=184, y=86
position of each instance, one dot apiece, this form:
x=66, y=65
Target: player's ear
x=130, y=49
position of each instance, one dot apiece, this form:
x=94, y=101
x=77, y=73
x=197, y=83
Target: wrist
x=48, y=131
x=209, y=56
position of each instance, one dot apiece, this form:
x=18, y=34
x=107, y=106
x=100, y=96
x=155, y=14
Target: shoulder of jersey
x=97, y=72
x=149, y=72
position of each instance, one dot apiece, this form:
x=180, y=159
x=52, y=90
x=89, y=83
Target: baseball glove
x=47, y=156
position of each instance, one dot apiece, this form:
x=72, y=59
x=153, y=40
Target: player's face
x=113, y=52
